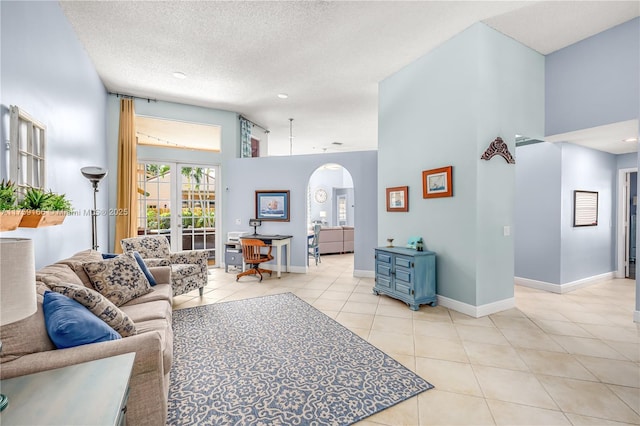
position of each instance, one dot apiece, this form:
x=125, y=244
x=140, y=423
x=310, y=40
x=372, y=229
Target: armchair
x=188, y=267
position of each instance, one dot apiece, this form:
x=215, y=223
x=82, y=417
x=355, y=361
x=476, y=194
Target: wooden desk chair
x=252, y=254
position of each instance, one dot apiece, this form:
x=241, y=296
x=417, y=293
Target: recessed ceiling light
x=630, y=140
x=179, y=75
x=283, y=95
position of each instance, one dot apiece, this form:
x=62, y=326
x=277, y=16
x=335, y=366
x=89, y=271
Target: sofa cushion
x=76, y=261
x=57, y=273
x=162, y=292
x=99, y=305
x=158, y=309
x=27, y=336
x=119, y=279
x=70, y=324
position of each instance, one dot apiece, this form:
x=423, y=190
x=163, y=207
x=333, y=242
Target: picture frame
x=398, y=199
x=585, y=208
x=273, y=205
x=437, y=183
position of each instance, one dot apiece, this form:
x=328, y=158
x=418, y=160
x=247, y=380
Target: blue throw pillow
x=145, y=269
x=109, y=255
x=70, y=324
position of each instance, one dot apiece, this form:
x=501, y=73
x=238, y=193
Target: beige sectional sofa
x=27, y=348
x=335, y=239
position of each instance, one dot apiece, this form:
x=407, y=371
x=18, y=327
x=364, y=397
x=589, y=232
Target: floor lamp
x=95, y=175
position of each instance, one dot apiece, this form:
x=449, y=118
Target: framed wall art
x=585, y=208
x=437, y=183
x=272, y=205
x=398, y=199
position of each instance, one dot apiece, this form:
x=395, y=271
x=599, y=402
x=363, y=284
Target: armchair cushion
x=149, y=247
x=119, y=279
x=70, y=324
x=99, y=305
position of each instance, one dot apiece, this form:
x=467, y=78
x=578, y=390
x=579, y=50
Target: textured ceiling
x=328, y=56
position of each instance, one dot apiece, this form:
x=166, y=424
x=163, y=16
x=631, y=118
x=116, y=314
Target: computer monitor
x=255, y=223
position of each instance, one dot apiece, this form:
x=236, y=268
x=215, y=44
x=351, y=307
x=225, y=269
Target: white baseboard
x=636, y=316
x=477, y=311
x=563, y=288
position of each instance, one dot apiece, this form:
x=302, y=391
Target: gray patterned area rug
x=276, y=360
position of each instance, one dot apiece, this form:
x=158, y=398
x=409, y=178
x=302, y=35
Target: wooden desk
x=90, y=393
x=277, y=241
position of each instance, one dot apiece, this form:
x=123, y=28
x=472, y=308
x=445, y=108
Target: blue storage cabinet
x=407, y=275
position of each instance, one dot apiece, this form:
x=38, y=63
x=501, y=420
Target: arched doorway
x=331, y=203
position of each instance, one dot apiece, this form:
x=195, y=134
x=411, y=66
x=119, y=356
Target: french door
x=179, y=201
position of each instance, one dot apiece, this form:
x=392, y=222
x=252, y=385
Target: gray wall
x=245, y=176
x=445, y=109
x=46, y=71
x=595, y=81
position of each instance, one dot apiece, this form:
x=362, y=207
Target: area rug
x=276, y=360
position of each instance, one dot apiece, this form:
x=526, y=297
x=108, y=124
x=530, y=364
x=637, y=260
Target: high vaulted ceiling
x=327, y=56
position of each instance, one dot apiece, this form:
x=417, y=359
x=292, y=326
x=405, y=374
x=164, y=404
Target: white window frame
x=26, y=150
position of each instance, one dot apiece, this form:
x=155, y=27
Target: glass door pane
x=154, y=199
x=198, y=212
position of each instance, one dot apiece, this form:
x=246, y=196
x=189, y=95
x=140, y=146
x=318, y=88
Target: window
x=27, y=146
x=177, y=134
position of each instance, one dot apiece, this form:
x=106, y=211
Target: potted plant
x=43, y=208
x=10, y=215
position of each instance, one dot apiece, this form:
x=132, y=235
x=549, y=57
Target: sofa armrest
x=162, y=274
x=147, y=346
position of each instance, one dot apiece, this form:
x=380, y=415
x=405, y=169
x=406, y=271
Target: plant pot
x=10, y=219
x=40, y=218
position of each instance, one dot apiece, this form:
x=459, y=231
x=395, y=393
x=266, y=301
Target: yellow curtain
x=127, y=202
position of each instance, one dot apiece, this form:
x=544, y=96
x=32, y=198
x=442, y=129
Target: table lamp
x=17, y=284
x=255, y=223
x=323, y=216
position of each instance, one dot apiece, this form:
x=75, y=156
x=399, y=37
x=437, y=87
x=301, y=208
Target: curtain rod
x=240, y=116
x=122, y=95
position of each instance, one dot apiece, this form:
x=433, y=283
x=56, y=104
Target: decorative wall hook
x=498, y=147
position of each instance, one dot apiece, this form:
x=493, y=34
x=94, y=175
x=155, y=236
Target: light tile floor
x=553, y=360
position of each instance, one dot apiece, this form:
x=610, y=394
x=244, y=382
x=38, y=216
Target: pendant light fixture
x=291, y=136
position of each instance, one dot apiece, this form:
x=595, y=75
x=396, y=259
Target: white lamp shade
x=323, y=213
x=17, y=280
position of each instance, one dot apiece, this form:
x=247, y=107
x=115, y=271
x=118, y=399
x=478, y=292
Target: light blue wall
x=172, y=111
x=46, y=71
x=444, y=109
x=591, y=83
x=595, y=81
x=245, y=176
x=537, y=212
x=589, y=250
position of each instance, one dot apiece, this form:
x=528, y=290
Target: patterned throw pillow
x=99, y=306
x=119, y=279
